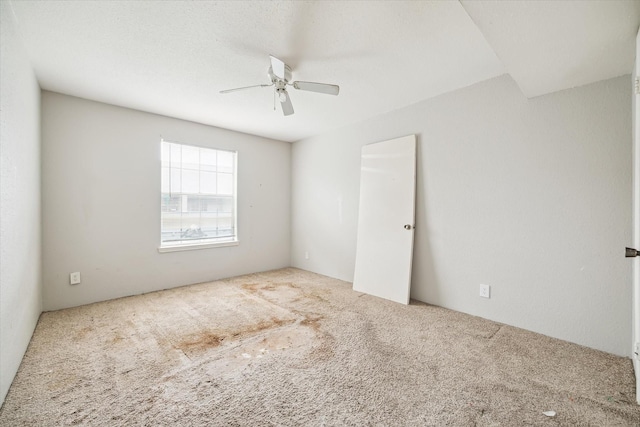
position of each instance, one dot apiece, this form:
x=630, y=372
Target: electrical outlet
x=306, y=255
x=74, y=278
x=485, y=291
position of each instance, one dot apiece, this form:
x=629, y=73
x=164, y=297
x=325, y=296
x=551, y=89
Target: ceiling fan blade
x=287, y=106
x=243, y=88
x=317, y=87
x=277, y=66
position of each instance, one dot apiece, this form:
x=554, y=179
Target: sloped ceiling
x=548, y=46
x=173, y=58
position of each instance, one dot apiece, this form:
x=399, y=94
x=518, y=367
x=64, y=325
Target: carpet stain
x=209, y=339
x=256, y=287
x=263, y=325
x=202, y=340
x=283, y=292
x=312, y=321
x=115, y=339
x=82, y=333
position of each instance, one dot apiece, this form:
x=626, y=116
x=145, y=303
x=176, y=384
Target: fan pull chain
x=274, y=98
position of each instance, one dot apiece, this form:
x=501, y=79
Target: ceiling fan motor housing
x=280, y=83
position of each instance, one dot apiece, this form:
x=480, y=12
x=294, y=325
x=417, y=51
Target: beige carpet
x=293, y=348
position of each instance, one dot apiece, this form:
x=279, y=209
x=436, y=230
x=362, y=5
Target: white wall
x=532, y=197
x=20, y=262
x=101, y=203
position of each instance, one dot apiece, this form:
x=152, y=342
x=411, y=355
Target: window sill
x=195, y=246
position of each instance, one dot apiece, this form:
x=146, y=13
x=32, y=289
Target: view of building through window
x=198, y=195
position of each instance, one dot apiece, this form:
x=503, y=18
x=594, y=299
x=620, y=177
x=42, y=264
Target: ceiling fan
x=280, y=75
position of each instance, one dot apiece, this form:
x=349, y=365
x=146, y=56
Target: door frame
x=635, y=315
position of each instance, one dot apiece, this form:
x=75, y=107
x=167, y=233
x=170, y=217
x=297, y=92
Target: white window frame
x=207, y=242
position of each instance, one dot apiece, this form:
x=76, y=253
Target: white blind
x=198, y=195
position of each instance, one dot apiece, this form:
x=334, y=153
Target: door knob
x=630, y=253
x=408, y=227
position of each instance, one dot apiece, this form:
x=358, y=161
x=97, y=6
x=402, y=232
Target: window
x=198, y=207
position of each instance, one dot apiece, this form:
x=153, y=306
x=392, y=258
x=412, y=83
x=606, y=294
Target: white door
x=385, y=220
x=636, y=220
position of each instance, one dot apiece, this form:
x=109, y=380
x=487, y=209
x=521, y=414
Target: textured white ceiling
x=173, y=58
x=548, y=46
